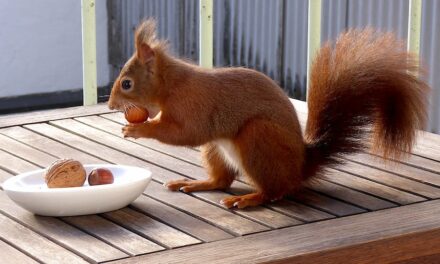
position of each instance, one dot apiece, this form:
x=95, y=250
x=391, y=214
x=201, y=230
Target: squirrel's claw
x=252, y=199
x=134, y=130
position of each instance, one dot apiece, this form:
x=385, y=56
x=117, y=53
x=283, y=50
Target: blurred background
x=40, y=47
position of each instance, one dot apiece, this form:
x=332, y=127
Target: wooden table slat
x=45, y=115
x=148, y=227
x=349, y=195
x=10, y=254
x=326, y=203
x=407, y=171
x=47, y=145
x=180, y=220
x=427, y=150
x=391, y=180
x=374, y=188
x=115, y=235
x=4, y=176
x=422, y=163
x=25, y=152
x=14, y=164
x=64, y=234
x=39, y=247
x=299, y=211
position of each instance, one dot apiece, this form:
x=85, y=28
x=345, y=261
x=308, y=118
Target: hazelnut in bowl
x=31, y=190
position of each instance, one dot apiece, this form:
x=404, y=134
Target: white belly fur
x=230, y=154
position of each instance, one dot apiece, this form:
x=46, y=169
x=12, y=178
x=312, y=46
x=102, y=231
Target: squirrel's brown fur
x=246, y=124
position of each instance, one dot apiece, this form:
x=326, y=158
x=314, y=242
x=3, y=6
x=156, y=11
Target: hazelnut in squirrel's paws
x=246, y=124
x=136, y=114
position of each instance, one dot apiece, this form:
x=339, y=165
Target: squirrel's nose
x=111, y=105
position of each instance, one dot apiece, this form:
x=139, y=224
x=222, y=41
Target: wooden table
x=362, y=212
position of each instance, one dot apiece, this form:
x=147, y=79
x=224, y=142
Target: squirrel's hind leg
x=220, y=174
x=272, y=157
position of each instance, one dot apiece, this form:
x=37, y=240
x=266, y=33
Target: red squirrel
x=364, y=91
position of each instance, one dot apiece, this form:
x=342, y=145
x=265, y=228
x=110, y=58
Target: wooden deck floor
x=363, y=212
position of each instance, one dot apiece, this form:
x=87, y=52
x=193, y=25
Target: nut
x=65, y=173
x=100, y=176
x=136, y=115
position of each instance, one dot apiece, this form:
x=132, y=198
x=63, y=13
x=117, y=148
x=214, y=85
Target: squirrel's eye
x=126, y=84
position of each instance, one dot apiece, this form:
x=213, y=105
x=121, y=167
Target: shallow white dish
x=31, y=192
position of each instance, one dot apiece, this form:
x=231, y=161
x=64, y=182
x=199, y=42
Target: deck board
x=25, y=152
x=326, y=203
x=367, y=209
x=407, y=171
x=371, y=187
x=66, y=235
x=349, y=195
x=15, y=165
x=54, y=114
x=13, y=255
x=299, y=211
x=35, y=245
x=114, y=235
x=391, y=180
x=4, y=176
x=422, y=163
x=178, y=219
x=151, y=228
x=47, y=145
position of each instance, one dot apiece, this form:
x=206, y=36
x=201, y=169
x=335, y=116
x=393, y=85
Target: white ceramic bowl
x=30, y=191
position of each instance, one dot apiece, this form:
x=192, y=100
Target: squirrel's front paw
x=135, y=130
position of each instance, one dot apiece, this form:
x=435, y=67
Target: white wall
x=40, y=46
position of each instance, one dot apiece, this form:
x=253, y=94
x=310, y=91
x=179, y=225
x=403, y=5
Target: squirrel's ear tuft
x=145, y=40
x=146, y=33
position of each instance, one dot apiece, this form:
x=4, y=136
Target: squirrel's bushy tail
x=364, y=90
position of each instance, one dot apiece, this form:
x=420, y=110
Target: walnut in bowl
x=65, y=173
